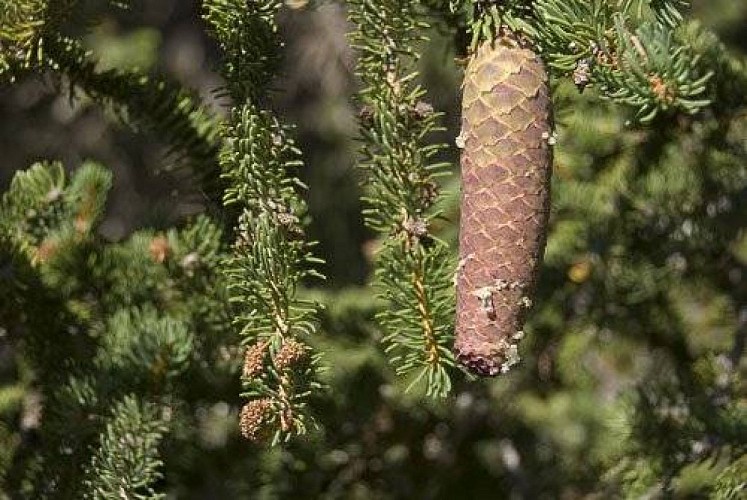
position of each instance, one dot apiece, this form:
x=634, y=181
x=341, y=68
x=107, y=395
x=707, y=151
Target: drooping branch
x=412, y=267
x=270, y=256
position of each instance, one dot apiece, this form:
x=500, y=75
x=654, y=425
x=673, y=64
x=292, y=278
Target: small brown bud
x=291, y=224
x=243, y=239
x=606, y=58
x=159, y=249
x=661, y=90
x=290, y=353
x=366, y=116
x=582, y=74
x=421, y=110
x=254, y=418
x=287, y=219
x=429, y=193
x=415, y=226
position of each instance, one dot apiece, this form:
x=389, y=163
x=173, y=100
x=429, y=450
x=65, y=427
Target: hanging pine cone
x=506, y=169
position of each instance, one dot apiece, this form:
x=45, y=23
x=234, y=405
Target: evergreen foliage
x=270, y=255
x=633, y=50
x=121, y=371
x=413, y=269
x=83, y=313
x=149, y=103
x=32, y=41
x=125, y=462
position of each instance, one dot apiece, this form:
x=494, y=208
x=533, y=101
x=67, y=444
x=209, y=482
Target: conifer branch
x=270, y=256
x=53, y=266
x=126, y=462
x=633, y=51
x=149, y=102
x=412, y=268
x=248, y=35
x=630, y=49
x=33, y=204
x=30, y=40
x=24, y=24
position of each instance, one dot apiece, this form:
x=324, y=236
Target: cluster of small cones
x=257, y=416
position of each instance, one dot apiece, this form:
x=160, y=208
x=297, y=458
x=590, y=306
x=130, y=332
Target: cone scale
x=506, y=167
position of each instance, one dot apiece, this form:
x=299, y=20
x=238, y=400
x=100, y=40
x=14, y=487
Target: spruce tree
x=209, y=357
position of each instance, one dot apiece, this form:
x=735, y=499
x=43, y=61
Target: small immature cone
x=506, y=169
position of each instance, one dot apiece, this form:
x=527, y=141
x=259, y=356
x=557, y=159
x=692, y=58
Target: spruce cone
x=506, y=169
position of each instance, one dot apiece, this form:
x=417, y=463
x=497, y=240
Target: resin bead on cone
x=506, y=168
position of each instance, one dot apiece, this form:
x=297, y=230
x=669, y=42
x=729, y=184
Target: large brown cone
x=506, y=170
